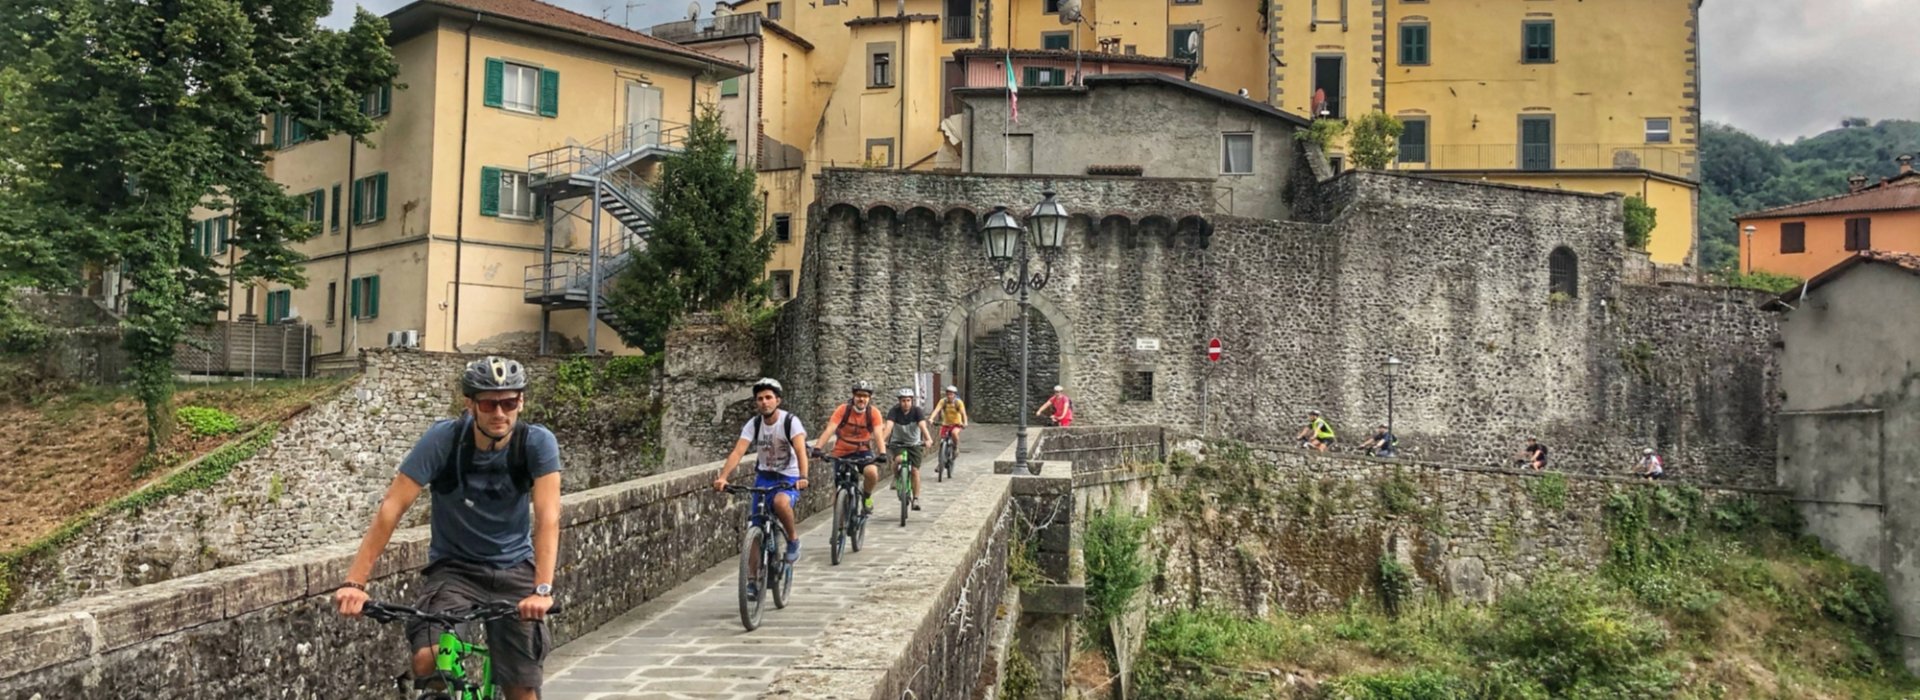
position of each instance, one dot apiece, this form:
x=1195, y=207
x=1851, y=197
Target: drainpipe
x=346, y=257
x=900, y=142
x=460, y=199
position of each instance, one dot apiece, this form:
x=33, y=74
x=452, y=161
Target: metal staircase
x=604, y=172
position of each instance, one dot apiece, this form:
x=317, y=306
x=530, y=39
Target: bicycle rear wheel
x=751, y=546
x=948, y=452
x=843, y=506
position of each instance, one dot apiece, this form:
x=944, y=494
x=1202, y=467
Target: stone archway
x=979, y=345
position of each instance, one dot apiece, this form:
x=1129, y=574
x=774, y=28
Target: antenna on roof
x=1069, y=11
x=693, y=9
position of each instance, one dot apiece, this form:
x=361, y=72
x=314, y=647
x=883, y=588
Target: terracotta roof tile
x=541, y=13
x=1904, y=261
x=1876, y=199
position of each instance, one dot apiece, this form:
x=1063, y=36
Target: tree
x=1322, y=132
x=1640, y=221
x=1740, y=173
x=1375, y=140
x=707, y=247
x=141, y=111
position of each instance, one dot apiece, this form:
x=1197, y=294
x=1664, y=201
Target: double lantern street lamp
x=1008, y=246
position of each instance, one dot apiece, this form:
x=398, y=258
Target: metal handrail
x=602, y=154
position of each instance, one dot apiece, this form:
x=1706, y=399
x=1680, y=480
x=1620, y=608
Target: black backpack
x=462, y=460
x=786, y=426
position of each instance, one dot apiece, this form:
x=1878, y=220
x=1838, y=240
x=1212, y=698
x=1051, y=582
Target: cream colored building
x=439, y=225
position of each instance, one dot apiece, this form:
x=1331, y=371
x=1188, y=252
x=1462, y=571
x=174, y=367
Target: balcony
x=1678, y=161
x=709, y=29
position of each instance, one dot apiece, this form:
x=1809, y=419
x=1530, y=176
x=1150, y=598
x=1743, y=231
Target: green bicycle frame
x=447, y=661
x=903, y=477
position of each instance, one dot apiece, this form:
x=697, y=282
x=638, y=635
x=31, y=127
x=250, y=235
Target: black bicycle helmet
x=493, y=373
x=860, y=385
x=768, y=384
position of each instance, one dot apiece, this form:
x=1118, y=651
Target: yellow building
x=482, y=169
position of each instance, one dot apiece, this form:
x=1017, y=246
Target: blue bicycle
x=764, y=571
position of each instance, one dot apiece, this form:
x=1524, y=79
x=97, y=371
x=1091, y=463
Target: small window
x=377, y=102
x=1660, y=130
x=782, y=283
x=882, y=74
x=1860, y=234
x=335, y=211
x=1793, y=237
x=1537, y=39
x=317, y=207
x=1413, y=44
x=958, y=22
x=782, y=228
x=773, y=10
x=733, y=152
x=730, y=87
x=1051, y=7
x=1236, y=154
x=516, y=198
x=363, y=298
x=1563, y=272
x=370, y=199
x=279, y=305
x=520, y=88
x=1044, y=77
x=1132, y=50
x=333, y=300
x=879, y=153
x=1056, y=41
x=1136, y=386
x=1413, y=141
x=1337, y=163
x=1186, y=44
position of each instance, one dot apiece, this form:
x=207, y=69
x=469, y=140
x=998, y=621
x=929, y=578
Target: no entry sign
x=1213, y=350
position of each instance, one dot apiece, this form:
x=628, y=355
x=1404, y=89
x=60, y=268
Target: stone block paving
x=688, y=644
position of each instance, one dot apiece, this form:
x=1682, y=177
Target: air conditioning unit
x=403, y=339
x=393, y=339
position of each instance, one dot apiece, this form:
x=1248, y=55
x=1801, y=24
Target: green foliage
x=707, y=248
x=1579, y=639
x=1395, y=585
x=204, y=421
x=1741, y=173
x=1322, y=132
x=126, y=129
x=1116, y=566
x=1022, y=681
x=1023, y=567
x=1417, y=684
x=1640, y=218
x=276, y=488
x=1399, y=495
x=1375, y=141
x=1549, y=490
x=1759, y=281
x=20, y=333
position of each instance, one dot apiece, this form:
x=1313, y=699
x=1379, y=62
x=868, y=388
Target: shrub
x=1399, y=495
x=1572, y=635
x=1375, y=141
x=1396, y=585
x=205, y=421
x=1640, y=219
x=1116, y=567
x=1418, y=684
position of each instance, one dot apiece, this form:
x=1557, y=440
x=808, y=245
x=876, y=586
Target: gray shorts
x=517, y=647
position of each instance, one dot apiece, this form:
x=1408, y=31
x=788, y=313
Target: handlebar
x=736, y=488
x=479, y=612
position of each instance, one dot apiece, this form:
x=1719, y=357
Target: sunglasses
x=500, y=405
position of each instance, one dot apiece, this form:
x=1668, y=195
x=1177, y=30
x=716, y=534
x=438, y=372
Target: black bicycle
x=949, y=448
x=458, y=660
x=764, y=571
x=849, y=499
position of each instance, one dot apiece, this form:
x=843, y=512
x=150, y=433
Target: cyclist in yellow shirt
x=950, y=413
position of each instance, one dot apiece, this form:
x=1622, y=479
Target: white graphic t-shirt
x=774, y=446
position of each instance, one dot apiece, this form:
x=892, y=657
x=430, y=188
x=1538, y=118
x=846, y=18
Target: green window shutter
x=373, y=296
x=549, y=93
x=489, y=191
x=380, y=197
x=386, y=101
x=220, y=235
x=353, y=299
x=279, y=130
x=730, y=87
x=336, y=207
x=496, y=73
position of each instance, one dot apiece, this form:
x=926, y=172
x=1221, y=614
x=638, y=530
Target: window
x=1051, y=7
x=1537, y=41
x=1563, y=272
x=1136, y=385
x=882, y=74
x=733, y=152
x=773, y=10
x=1660, y=130
x=221, y=233
x=1536, y=143
x=505, y=193
x=1793, y=237
x=1056, y=41
x=333, y=300
x=782, y=228
x=287, y=130
x=1413, y=141
x=522, y=88
x=1236, y=154
x=730, y=87
x=782, y=285
x=279, y=305
x=363, y=298
x=317, y=207
x=1131, y=50
x=1337, y=163
x=958, y=20
x=377, y=102
x=879, y=153
x=1044, y=77
x=370, y=198
x=209, y=237
x=336, y=209
x=1186, y=44
x=1329, y=84
x=1860, y=234
x=1413, y=44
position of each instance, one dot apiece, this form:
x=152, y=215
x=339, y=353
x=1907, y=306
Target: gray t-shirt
x=906, y=426
x=484, y=519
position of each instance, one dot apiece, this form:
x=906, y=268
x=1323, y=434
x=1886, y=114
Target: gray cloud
x=1781, y=69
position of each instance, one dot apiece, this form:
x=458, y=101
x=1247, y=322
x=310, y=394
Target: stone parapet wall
x=710, y=370
x=267, y=628
x=1303, y=532
x=1096, y=448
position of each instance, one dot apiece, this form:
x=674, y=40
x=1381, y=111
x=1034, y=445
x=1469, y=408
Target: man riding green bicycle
x=484, y=468
x=907, y=438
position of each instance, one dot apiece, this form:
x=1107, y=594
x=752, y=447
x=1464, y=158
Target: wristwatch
x=545, y=589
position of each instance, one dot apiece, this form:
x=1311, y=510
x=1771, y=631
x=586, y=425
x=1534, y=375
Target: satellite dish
x=1193, y=43
x=1069, y=11
x=693, y=9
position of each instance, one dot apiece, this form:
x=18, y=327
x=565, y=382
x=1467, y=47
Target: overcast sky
x=1781, y=69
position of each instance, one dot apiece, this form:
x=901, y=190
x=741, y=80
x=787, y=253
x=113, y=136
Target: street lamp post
x=1392, y=365
x=1749, y=230
x=1008, y=245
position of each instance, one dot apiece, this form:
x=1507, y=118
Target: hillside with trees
x=1742, y=173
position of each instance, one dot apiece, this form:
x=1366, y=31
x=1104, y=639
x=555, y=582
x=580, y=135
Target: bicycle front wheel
x=781, y=579
x=843, y=505
x=946, y=458
x=751, y=545
x=903, y=485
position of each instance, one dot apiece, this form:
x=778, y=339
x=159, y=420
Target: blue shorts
x=788, y=485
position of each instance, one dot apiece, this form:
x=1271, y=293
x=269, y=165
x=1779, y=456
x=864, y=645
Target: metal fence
x=246, y=350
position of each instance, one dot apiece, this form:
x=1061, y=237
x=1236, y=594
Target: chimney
x=1855, y=183
x=1906, y=163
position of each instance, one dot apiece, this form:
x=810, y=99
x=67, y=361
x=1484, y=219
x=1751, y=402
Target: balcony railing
x=708, y=29
x=1672, y=160
x=607, y=151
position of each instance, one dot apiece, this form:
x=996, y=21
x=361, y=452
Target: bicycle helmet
x=953, y=389
x=1313, y=413
x=860, y=385
x=768, y=384
x=1647, y=451
x=493, y=373
x=906, y=393
x=1057, y=388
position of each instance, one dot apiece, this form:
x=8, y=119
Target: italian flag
x=1013, y=90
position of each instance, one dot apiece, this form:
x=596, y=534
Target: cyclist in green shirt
x=1318, y=431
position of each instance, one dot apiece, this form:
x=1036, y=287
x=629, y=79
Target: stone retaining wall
x=267, y=628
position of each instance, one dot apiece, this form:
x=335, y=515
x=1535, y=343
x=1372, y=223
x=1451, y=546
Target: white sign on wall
x=1146, y=344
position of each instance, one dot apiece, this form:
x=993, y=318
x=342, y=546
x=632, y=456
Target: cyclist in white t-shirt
x=781, y=460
